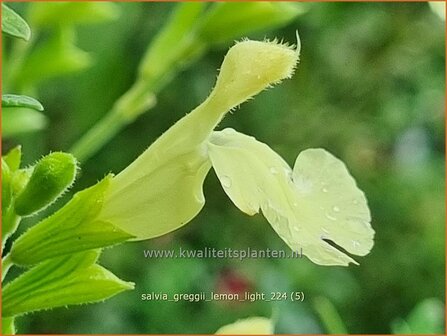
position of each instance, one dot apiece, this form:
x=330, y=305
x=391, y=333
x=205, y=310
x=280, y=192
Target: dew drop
x=273, y=170
x=324, y=230
x=336, y=209
x=330, y=217
x=226, y=181
x=355, y=202
x=295, y=204
x=355, y=243
x=296, y=228
x=324, y=190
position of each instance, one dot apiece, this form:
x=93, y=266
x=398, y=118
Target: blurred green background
x=370, y=89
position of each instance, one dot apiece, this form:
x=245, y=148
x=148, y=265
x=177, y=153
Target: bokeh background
x=370, y=89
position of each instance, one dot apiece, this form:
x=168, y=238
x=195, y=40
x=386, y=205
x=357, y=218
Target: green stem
x=173, y=49
x=329, y=316
x=126, y=109
x=6, y=265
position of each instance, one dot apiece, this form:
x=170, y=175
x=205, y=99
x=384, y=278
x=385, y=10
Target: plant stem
x=329, y=316
x=126, y=109
x=175, y=46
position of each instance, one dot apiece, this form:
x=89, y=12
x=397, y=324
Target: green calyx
x=72, y=229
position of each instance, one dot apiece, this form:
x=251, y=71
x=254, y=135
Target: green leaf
x=63, y=281
x=6, y=186
x=14, y=25
x=43, y=14
x=13, y=158
x=54, y=57
x=73, y=228
x=11, y=100
x=8, y=326
x=21, y=120
x=52, y=175
x=227, y=21
x=175, y=45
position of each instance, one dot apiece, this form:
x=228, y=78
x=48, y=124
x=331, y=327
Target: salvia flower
x=313, y=207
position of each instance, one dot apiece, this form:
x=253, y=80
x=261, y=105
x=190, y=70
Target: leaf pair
x=68, y=280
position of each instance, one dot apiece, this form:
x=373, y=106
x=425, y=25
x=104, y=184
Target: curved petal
x=316, y=202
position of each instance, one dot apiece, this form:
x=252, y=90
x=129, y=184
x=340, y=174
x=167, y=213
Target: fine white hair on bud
x=251, y=66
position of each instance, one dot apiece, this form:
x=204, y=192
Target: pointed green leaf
x=14, y=25
x=73, y=228
x=13, y=158
x=62, y=281
x=6, y=186
x=52, y=175
x=227, y=21
x=175, y=45
x=11, y=100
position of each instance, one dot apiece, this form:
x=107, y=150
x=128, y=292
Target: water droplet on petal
x=226, y=181
x=273, y=170
x=355, y=243
x=295, y=204
x=324, y=190
x=324, y=230
x=330, y=217
x=296, y=228
x=355, y=202
x=336, y=209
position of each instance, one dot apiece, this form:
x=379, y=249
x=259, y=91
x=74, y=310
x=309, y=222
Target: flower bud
x=51, y=176
x=250, y=67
